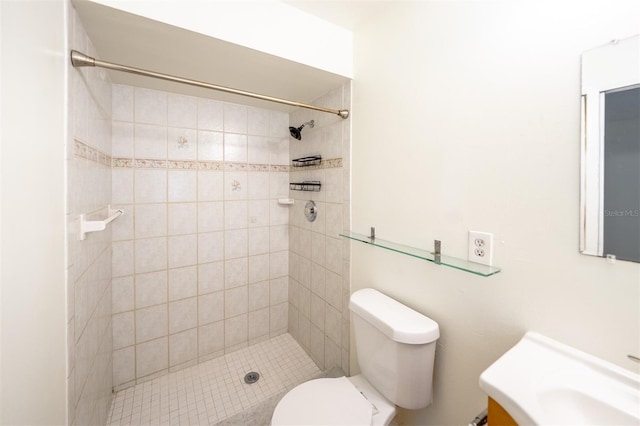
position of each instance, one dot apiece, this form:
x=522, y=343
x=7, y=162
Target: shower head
x=297, y=132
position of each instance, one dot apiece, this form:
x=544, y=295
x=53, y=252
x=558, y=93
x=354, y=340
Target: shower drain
x=251, y=377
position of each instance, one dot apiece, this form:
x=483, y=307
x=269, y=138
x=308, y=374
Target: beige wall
x=466, y=116
x=33, y=264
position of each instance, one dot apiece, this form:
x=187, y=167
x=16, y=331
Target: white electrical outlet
x=480, y=247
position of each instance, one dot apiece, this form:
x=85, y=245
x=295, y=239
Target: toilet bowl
x=395, y=347
x=335, y=401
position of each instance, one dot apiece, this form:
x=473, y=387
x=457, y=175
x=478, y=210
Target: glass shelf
x=452, y=262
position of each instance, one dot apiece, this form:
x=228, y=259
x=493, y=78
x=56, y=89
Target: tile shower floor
x=215, y=390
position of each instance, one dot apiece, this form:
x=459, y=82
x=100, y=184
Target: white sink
x=544, y=382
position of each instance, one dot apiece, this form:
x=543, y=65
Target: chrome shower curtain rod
x=79, y=59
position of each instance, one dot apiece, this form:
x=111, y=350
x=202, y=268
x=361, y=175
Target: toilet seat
x=324, y=402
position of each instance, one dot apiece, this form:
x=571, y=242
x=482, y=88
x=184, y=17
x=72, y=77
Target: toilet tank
x=395, y=347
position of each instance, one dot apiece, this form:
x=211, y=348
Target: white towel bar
x=86, y=226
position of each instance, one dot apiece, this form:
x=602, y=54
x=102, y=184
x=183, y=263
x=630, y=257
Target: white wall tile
x=210, y=115
x=123, y=330
x=210, y=146
x=150, y=220
x=152, y=357
x=183, y=347
x=122, y=258
x=235, y=214
x=235, y=272
x=182, y=111
x=318, y=248
x=279, y=185
x=304, y=295
x=235, y=185
x=278, y=318
x=210, y=277
x=210, y=308
x=150, y=142
x=235, y=118
x=210, y=247
x=258, y=186
x=279, y=290
x=122, y=139
x=258, y=213
x=333, y=185
x=122, y=229
x=258, y=295
x=182, y=218
x=278, y=124
x=316, y=345
x=333, y=290
x=235, y=330
x=183, y=282
x=121, y=186
x=278, y=213
x=182, y=144
x=258, y=121
x=334, y=254
x=235, y=243
x=122, y=103
x=122, y=294
x=150, y=255
x=318, y=280
x=334, y=220
x=333, y=324
x=258, y=323
x=258, y=150
x=151, y=186
x=236, y=301
x=258, y=240
x=151, y=289
x=150, y=106
x=332, y=354
x=183, y=315
x=279, y=238
x=210, y=338
x=210, y=186
x=151, y=323
x=235, y=148
x=258, y=268
x=210, y=216
x=182, y=186
x=124, y=365
x=279, y=151
x=317, y=311
x=183, y=250
x=278, y=264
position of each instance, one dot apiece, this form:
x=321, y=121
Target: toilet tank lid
x=397, y=321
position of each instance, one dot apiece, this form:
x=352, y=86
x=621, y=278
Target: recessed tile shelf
x=452, y=262
x=312, y=185
x=312, y=160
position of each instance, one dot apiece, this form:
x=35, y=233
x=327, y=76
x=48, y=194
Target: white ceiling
x=139, y=42
x=344, y=13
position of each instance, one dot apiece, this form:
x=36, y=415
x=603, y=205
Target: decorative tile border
x=331, y=163
x=82, y=150
x=87, y=152
x=128, y=163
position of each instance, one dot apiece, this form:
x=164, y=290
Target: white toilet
x=395, y=346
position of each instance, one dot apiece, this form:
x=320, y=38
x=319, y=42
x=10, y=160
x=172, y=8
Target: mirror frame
x=607, y=68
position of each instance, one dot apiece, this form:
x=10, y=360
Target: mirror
x=610, y=138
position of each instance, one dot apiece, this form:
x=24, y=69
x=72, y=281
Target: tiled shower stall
x=205, y=261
